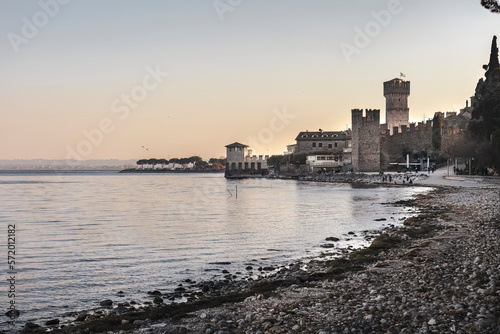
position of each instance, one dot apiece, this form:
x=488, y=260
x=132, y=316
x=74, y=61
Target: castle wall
x=414, y=140
x=422, y=139
x=366, y=140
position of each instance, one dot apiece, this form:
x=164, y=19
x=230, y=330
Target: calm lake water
x=82, y=237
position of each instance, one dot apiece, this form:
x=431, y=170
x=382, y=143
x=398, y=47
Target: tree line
x=198, y=162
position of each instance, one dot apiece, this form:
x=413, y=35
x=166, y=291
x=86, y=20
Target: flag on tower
x=402, y=75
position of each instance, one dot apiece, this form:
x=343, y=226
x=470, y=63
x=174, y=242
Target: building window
x=246, y=165
x=259, y=165
x=329, y=145
x=320, y=145
x=252, y=165
x=336, y=145
x=314, y=144
x=240, y=165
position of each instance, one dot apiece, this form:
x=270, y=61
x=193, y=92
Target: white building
x=317, y=163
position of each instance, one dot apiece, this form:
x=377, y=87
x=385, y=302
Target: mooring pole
x=236, y=191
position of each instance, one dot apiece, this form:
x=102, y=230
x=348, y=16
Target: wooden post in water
x=236, y=191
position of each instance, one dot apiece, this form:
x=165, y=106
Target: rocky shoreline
x=439, y=273
x=357, y=178
x=360, y=178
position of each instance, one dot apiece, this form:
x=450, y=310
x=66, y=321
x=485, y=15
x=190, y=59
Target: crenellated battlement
x=414, y=127
x=370, y=115
x=397, y=86
x=256, y=158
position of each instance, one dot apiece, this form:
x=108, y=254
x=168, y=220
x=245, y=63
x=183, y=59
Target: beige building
x=323, y=141
x=239, y=157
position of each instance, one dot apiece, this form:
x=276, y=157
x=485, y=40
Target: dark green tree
x=152, y=162
x=163, y=162
x=275, y=160
x=142, y=162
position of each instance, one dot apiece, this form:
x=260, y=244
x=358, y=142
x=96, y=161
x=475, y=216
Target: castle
x=372, y=147
x=396, y=144
x=375, y=146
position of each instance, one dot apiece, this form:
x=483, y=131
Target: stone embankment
x=394, y=178
x=439, y=273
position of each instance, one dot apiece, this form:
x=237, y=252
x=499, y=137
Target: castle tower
x=397, y=113
x=235, y=156
x=366, y=140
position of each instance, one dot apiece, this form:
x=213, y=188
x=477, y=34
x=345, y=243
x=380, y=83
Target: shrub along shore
x=438, y=273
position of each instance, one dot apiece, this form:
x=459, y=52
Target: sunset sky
x=92, y=79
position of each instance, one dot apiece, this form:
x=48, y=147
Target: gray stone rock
x=106, y=303
x=52, y=322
